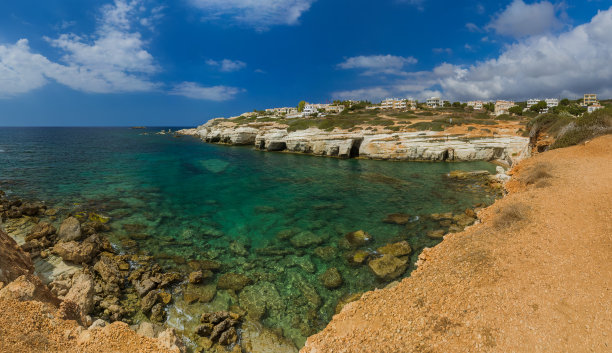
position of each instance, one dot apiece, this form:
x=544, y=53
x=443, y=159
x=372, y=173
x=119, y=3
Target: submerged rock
x=197, y=293
x=358, y=257
x=331, y=278
x=261, y=298
x=388, y=267
x=358, y=238
x=326, y=253
x=305, y=239
x=234, y=281
x=397, y=218
x=436, y=234
x=348, y=298
x=398, y=249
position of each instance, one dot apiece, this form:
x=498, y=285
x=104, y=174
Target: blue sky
x=180, y=63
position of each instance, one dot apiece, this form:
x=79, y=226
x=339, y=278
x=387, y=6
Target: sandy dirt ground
x=534, y=276
x=34, y=327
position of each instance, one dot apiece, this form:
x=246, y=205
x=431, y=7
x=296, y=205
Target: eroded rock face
x=70, y=229
x=427, y=146
x=14, y=262
x=28, y=287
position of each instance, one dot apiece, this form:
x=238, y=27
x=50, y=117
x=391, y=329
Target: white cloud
x=112, y=60
x=227, y=65
x=21, y=70
x=472, y=27
x=260, y=14
x=442, y=50
x=520, y=20
x=375, y=64
x=213, y=93
x=567, y=65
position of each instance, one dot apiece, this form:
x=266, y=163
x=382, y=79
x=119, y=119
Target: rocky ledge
x=410, y=146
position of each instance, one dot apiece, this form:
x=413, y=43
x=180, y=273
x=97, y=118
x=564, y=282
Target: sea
x=180, y=200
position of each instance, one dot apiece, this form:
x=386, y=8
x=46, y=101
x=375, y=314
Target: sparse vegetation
x=535, y=173
x=511, y=215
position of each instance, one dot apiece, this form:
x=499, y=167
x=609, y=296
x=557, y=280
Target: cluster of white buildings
x=309, y=110
x=501, y=106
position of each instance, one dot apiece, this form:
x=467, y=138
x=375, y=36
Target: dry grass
x=536, y=173
x=511, y=215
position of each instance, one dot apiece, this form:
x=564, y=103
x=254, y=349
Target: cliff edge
x=533, y=276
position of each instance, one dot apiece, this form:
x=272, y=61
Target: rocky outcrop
x=14, y=262
x=422, y=146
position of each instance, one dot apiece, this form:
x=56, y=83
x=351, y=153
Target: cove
x=278, y=219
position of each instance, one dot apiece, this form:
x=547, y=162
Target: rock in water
x=235, y=281
x=358, y=238
x=331, y=279
x=388, y=267
x=398, y=249
x=70, y=229
x=397, y=218
x=305, y=239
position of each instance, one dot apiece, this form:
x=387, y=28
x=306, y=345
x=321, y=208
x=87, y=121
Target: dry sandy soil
x=534, y=276
x=32, y=326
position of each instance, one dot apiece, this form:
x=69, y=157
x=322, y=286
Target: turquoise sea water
x=193, y=200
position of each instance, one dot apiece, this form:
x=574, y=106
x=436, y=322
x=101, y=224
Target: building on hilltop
x=393, y=103
x=335, y=109
x=552, y=102
x=531, y=102
x=310, y=109
x=502, y=107
x=594, y=107
x=434, y=102
x=477, y=105
x=589, y=99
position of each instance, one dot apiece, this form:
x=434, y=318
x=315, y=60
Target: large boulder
x=70, y=229
x=398, y=249
x=82, y=292
x=73, y=251
x=108, y=270
x=397, y=218
x=198, y=293
x=41, y=230
x=14, y=262
x=388, y=267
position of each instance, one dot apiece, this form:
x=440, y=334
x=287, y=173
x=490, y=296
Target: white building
x=310, y=109
x=434, y=102
x=393, y=103
x=477, y=105
x=531, y=102
x=594, y=107
x=552, y=102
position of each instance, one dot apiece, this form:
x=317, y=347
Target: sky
x=183, y=62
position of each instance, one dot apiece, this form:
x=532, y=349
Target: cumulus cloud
x=113, y=59
x=567, y=64
x=227, y=65
x=376, y=64
x=260, y=14
x=520, y=20
x=214, y=93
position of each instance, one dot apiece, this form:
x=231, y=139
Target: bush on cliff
x=584, y=128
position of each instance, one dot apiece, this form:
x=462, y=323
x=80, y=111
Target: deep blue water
x=194, y=199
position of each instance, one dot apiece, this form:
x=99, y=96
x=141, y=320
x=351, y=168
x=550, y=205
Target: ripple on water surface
x=279, y=219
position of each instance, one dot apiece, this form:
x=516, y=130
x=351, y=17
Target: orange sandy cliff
x=534, y=276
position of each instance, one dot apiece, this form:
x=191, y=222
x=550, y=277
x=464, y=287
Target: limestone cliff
x=415, y=146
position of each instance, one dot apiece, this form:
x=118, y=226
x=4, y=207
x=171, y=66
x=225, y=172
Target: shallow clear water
x=193, y=199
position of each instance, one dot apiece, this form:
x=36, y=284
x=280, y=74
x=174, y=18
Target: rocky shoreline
x=400, y=146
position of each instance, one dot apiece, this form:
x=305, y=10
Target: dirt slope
x=535, y=276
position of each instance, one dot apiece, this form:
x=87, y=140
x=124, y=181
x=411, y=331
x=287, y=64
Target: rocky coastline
x=368, y=144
